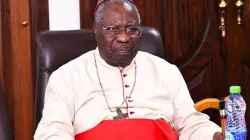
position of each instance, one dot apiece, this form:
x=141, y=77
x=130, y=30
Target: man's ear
x=95, y=27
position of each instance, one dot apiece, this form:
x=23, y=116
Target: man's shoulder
x=75, y=64
x=159, y=65
x=151, y=59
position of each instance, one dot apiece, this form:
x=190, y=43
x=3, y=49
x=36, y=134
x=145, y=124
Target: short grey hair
x=100, y=9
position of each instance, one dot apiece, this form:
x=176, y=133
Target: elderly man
x=119, y=93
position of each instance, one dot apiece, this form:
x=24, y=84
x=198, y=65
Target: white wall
x=64, y=14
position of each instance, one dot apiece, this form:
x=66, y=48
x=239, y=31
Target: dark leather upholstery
x=56, y=48
x=5, y=129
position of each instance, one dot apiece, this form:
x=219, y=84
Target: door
x=17, y=66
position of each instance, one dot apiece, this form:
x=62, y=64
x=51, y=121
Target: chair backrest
x=5, y=129
x=56, y=48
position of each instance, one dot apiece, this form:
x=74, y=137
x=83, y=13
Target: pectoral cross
x=120, y=114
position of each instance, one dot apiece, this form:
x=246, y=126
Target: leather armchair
x=56, y=48
x=5, y=129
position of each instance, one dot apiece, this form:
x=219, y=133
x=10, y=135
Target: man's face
x=117, y=50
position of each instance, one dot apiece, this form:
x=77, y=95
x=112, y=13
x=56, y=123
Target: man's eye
x=113, y=28
x=133, y=29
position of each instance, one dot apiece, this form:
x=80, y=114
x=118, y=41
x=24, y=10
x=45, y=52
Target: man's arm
x=190, y=124
x=56, y=123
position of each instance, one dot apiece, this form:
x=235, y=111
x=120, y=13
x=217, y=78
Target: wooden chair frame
x=214, y=103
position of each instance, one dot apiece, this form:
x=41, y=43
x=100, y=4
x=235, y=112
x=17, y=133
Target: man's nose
x=123, y=37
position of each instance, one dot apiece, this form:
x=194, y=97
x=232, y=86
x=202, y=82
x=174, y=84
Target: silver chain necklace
x=118, y=110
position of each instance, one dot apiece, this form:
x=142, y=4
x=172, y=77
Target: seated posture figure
x=116, y=92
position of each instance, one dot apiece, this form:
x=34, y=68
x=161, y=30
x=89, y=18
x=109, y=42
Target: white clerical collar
x=104, y=63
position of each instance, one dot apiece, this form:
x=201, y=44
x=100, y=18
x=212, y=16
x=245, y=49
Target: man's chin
x=122, y=58
x=122, y=62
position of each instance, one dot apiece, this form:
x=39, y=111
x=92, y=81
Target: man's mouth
x=125, y=49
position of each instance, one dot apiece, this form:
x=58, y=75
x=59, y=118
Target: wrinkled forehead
x=119, y=14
